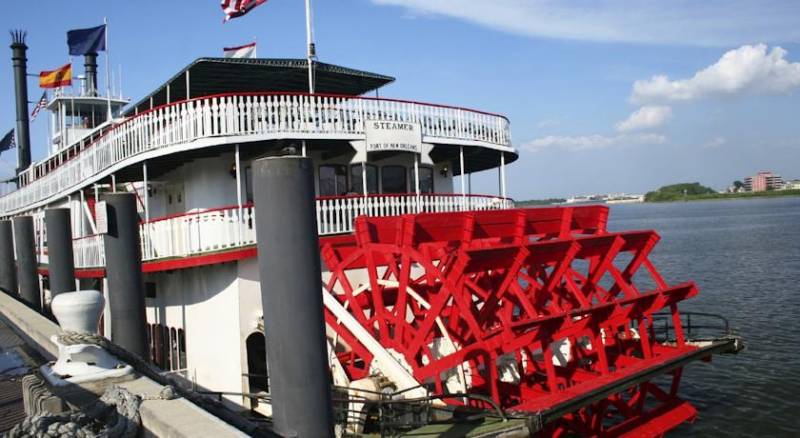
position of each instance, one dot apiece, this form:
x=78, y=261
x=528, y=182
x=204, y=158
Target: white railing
x=200, y=232
x=89, y=251
x=247, y=114
x=335, y=215
x=226, y=228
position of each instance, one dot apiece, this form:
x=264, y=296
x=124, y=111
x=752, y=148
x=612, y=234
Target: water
x=745, y=257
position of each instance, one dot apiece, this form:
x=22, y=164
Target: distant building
x=763, y=181
x=792, y=185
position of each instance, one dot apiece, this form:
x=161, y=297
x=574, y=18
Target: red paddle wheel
x=543, y=310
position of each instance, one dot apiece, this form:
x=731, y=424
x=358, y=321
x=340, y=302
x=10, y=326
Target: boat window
x=257, y=371
x=355, y=179
x=181, y=349
x=425, y=180
x=173, y=348
x=332, y=180
x=248, y=183
x=393, y=179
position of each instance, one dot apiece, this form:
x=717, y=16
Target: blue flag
x=83, y=41
x=8, y=141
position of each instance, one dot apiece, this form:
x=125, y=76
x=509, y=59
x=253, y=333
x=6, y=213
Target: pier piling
x=8, y=271
x=60, y=258
x=291, y=295
x=124, y=272
x=27, y=264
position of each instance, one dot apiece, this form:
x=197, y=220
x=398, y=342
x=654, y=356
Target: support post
x=502, y=174
x=145, y=192
x=8, y=272
x=124, y=272
x=289, y=269
x=60, y=258
x=27, y=265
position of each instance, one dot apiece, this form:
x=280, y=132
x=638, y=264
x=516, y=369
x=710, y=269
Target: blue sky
x=603, y=96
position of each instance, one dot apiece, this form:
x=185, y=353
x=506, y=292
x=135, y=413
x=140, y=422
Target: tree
x=738, y=185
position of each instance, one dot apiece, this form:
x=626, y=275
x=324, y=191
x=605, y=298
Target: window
x=257, y=371
x=181, y=349
x=425, y=180
x=173, y=348
x=355, y=179
x=332, y=180
x=393, y=179
x=167, y=347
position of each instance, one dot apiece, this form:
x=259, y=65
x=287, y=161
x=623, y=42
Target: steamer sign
x=386, y=135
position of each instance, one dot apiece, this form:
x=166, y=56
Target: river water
x=745, y=257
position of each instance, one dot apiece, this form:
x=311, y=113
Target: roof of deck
x=208, y=76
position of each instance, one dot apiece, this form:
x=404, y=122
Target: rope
x=172, y=388
x=114, y=415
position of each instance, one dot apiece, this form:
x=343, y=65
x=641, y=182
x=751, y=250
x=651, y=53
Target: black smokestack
x=90, y=67
x=20, y=63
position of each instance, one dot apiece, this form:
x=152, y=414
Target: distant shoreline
x=724, y=196
x=703, y=197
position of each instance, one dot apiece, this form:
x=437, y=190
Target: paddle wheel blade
x=543, y=310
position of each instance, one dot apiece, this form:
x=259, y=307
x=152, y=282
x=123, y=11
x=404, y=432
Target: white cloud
x=580, y=143
x=715, y=143
x=548, y=124
x=748, y=69
x=689, y=22
x=646, y=117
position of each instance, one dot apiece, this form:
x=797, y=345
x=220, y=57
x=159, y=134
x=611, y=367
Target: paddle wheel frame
x=515, y=305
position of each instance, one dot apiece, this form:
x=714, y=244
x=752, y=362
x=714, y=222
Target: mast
x=108, y=67
x=311, y=55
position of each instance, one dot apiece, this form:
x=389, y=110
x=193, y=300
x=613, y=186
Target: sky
x=604, y=96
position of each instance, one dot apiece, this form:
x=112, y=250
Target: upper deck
x=241, y=118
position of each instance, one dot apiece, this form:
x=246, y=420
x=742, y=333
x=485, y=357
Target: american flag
x=40, y=105
x=237, y=8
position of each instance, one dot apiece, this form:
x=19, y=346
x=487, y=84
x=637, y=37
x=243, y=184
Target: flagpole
x=108, y=68
x=311, y=50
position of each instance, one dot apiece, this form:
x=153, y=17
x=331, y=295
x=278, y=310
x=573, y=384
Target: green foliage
x=676, y=192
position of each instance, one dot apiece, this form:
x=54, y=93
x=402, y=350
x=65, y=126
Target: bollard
x=291, y=295
x=60, y=259
x=27, y=264
x=8, y=272
x=124, y=272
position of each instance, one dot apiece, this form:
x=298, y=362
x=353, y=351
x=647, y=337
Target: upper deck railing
x=232, y=227
x=256, y=116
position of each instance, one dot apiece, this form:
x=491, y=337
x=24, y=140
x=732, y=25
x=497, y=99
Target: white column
x=463, y=175
x=238, y=165
x=364, y=178
x=303, y=148
x=188, y=94
x=80, y=216
x=145, y=193
x=502, y=174
x=364, y=187
x=238, y=179
x=168, y=94
x=416, y=182
x=113, y=183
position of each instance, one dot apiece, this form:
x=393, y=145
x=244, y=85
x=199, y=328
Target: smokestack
x=90, y=67
x=20, y=63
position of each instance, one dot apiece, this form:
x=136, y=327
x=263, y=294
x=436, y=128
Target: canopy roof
x=209, y=76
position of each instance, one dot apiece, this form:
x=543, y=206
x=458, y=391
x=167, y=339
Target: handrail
x=243, y=114
x=231, y=226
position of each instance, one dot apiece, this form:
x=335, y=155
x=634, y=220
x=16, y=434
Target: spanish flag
x=60, y=77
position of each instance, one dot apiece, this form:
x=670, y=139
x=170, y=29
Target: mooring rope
x=100, y=419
